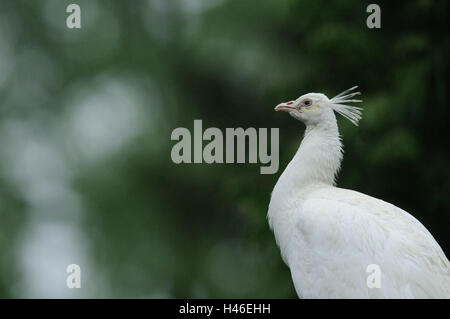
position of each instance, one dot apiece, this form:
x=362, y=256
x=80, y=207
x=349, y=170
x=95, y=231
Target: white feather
x=352, y=113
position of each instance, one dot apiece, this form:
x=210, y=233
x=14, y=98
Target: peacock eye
x=307, y=102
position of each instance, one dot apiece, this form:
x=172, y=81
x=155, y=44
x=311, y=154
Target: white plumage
x=328, y=236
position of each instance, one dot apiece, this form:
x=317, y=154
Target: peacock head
x=313, y=108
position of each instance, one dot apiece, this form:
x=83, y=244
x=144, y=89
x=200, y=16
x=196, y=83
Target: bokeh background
x=86, y=117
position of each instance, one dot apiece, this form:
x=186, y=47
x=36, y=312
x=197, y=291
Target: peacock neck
x=315, y=164
x=318, y=158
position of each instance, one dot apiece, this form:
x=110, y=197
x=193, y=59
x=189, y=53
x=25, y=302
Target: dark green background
x=86, y=117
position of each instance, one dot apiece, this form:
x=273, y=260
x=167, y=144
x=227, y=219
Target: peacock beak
x=286, y=107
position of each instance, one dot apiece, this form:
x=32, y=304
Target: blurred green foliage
x=86, y=117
